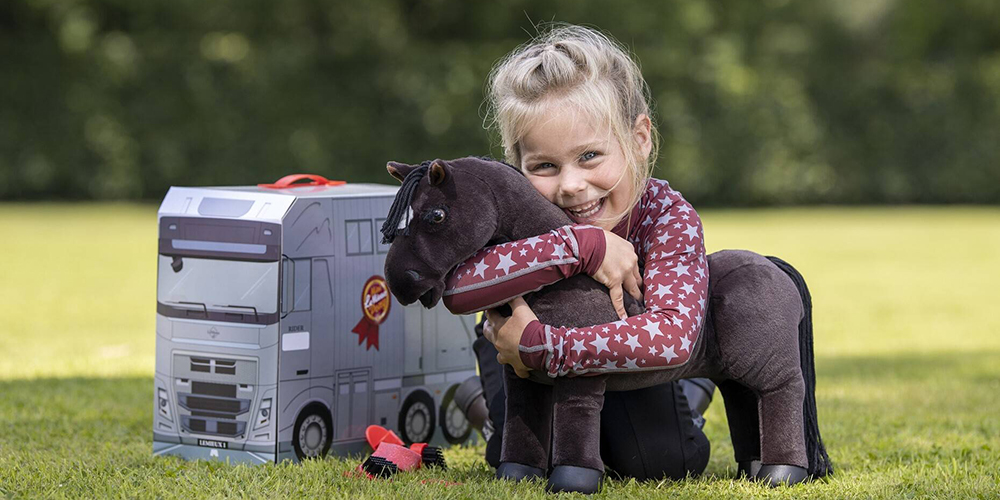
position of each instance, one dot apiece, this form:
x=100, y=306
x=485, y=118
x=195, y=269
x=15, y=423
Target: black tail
x=819, y=462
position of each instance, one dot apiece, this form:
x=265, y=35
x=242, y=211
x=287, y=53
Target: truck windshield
x=216, y=284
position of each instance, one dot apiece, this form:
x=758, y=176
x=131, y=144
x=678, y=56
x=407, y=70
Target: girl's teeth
x=589, y=209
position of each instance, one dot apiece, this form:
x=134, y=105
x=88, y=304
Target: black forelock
x=402, y=202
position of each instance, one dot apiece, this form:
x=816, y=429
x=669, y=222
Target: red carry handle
x=289, y=181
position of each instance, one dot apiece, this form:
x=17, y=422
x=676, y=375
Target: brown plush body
x=750, y=344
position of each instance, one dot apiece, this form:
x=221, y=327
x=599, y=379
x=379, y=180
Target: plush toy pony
x=756, y=342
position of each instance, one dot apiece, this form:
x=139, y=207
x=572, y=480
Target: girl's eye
x=542, y=166
x=436, y=216
x=589, y=155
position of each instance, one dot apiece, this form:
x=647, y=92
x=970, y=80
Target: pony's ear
x=398, y=170
x=437, y=173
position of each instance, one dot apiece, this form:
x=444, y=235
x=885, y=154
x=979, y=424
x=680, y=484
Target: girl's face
x=579, y=165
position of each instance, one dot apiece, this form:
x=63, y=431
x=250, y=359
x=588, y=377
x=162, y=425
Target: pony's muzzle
x=430, y=297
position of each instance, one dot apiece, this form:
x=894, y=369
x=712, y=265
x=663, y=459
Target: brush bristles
x=379, y=467
x=432, y=457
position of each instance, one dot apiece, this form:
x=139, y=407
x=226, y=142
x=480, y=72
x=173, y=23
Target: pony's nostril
x=413, y=275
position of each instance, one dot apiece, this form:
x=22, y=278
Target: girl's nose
x=571, y=184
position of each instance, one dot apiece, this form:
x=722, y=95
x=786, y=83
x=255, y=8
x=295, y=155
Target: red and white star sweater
x=667, y=235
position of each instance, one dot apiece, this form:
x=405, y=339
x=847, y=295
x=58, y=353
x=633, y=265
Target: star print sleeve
x=676, y=288
x=497, y=274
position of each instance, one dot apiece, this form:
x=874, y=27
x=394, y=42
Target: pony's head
x=444, y=212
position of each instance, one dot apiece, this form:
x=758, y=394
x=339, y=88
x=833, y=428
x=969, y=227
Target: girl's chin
x=590, y=219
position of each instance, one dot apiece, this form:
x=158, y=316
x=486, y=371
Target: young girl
x=573, y=114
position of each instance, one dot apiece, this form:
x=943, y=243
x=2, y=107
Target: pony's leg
x=744, y=424
x=757, y=309
x=576, y=434
x=576, y=421
x=526, y=428
x=782, y=438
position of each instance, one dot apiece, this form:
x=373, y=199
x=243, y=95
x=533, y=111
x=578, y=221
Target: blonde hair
x=585, y=68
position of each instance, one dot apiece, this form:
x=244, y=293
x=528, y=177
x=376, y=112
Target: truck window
x=218, y=284
x=359, y=237
x=296, y=290
x=287, y=279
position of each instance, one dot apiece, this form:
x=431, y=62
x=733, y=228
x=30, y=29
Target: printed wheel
x=313, y=433
x=454, y=425
x=416, y=418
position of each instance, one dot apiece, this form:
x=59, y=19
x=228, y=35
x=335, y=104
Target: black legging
x=646, y=434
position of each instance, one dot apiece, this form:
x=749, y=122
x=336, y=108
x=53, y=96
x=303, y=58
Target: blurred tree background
x=759, y=103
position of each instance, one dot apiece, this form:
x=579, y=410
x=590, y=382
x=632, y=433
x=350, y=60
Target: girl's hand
x=505, y=334
x=620, y=270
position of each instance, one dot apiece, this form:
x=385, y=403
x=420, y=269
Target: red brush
x=430, y=456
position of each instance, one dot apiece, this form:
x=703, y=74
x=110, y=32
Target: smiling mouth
x=585, y=210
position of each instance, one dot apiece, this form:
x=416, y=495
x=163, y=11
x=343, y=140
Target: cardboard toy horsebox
x=276, y=335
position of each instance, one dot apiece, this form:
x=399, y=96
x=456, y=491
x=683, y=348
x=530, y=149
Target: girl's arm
x=676, y=289
x=497, y=274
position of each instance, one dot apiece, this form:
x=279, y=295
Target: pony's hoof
x=781, y=475
x=571, y=479
x=518, y=472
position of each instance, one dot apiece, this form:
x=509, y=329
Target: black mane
x=401, y=203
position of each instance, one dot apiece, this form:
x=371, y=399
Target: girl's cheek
x=543, y=186
x=611, y=176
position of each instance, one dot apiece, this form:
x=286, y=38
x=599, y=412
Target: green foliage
x=772, y=102
x=908, y=364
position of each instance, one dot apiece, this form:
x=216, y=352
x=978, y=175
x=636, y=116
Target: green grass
x=907, y=347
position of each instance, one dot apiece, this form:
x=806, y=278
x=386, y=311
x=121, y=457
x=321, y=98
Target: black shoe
x=781, y=475
x=470, y=399
x=571, y=479
x=518, y=472
x=747, y=468
x=698, y=392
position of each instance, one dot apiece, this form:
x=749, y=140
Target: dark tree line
x=758, y=103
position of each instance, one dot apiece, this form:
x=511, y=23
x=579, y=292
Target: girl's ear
x=398, y=170
x=642, y=130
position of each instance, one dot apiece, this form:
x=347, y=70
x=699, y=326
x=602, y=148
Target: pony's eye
x=436, y=216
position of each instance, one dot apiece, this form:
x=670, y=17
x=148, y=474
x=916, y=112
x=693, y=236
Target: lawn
x=907, y=354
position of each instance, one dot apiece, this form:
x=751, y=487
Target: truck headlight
x=163, y=404
x=265, y=413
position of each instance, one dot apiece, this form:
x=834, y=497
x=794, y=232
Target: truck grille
x=216, y=404
x=206, y=425
x=230, y=406
x=196, y=424
x=209, y=365
x=214, y=409
x=201, y=365
x=227, y=428
x=215, y=393
x=210, y=389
